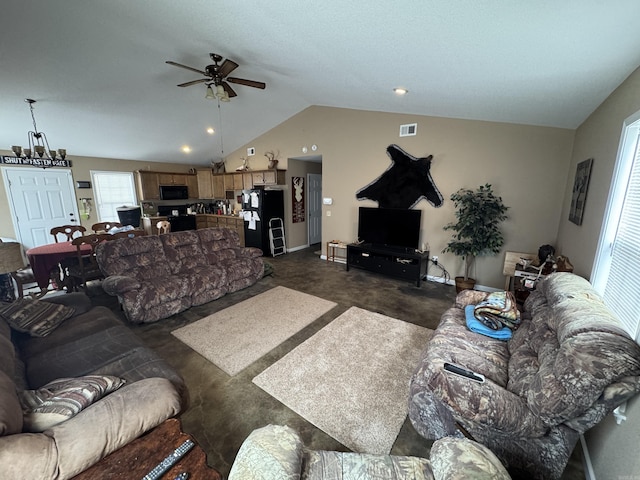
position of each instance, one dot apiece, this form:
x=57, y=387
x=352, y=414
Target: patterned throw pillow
x=7, y=290
x=35, y=317
x=61, y=399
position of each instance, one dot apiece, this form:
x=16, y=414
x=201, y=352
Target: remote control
x=457, y=370
x=168, y=462
x=182, y=476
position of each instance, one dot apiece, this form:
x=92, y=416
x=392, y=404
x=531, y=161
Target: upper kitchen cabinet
x=268, y=177
x=149, y=183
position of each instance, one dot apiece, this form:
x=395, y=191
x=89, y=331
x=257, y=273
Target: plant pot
x=462, y=284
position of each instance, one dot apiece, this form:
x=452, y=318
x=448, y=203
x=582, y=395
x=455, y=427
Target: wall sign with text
x=35, y=162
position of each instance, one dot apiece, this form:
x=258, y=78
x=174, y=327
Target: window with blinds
x=112, y=190
x=617, y=264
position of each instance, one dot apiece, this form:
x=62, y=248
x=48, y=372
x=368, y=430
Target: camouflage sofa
x=568, y=365
x=276, y=452
x=155, y=277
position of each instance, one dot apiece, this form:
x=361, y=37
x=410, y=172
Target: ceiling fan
x=216, y=75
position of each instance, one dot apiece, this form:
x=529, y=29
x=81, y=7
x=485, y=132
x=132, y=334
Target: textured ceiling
x=97, y=68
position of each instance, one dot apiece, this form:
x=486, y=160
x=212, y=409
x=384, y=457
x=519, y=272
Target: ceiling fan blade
x=193, y=82
x=229, y=90
x=248, y=83
x=184, y=66
x=227, y=67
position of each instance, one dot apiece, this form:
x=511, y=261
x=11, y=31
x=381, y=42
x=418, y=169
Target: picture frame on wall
x=579, y=193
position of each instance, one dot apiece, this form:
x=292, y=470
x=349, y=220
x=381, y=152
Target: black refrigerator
x=266, y=204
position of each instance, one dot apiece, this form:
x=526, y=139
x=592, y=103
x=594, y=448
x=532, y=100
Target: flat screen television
x=389, y=227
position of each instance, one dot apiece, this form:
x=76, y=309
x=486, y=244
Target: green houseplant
x=479, y=214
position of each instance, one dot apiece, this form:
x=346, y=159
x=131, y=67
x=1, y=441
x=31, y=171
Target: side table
x=138, y=458
x=332, y=247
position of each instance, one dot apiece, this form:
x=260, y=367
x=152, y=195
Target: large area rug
x=237, y=336
x=351, y=379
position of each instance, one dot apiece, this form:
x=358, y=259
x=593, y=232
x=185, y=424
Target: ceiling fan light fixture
x=224, y=97
x=210, y=95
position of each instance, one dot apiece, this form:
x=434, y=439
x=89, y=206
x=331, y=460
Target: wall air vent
x=408, y=130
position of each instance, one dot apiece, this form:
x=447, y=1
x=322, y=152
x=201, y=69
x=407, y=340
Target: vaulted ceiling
x=97, y=68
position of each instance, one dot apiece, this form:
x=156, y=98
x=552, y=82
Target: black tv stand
x=400, y=262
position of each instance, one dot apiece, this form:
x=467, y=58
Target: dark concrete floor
x=224, y=410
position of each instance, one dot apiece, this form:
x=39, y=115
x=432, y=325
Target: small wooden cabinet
x=148, y=185
x=233, y=181
x=205, y=183
x=268, y=177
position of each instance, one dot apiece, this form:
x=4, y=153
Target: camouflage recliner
x=568, y=365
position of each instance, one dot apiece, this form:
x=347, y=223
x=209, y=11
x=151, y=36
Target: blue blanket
x=477, y=326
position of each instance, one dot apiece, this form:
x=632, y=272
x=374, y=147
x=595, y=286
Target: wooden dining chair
x=70, y=232
x=77, y=271
x=163, y=226
x=104, y=227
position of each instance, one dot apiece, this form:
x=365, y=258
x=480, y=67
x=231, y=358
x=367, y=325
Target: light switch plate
x=327, y=201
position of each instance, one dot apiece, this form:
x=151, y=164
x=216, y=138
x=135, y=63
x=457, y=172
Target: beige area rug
x=237, y=336
x=351, y=379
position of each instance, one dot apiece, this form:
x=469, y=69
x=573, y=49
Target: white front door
x=40, y=200
x=314, y=183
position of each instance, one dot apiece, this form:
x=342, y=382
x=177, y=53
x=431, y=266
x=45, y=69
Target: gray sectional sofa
x=155, y=277
x=92, y=341
x=568, y=365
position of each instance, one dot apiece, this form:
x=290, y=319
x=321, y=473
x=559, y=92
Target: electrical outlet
x=434, y=259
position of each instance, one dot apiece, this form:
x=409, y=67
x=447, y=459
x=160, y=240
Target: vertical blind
x=618, y=274
x=112, y=190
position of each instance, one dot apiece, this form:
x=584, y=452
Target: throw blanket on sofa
x=477, y=326
x=498, y=310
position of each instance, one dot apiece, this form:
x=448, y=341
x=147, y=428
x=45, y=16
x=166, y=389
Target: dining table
x=45, y=258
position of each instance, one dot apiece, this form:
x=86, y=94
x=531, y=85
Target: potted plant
x=477, y=229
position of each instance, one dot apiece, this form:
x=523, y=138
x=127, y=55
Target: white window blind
x=617, y=263
x=112, y=190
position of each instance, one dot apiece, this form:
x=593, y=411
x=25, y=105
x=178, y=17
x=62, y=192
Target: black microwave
x=174, y=192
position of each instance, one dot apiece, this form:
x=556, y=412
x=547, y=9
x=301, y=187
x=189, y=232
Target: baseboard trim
x=295, y=249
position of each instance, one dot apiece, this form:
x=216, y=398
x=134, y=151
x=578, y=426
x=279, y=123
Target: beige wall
x=80, y=170
x=611, y=447
x=527, y=165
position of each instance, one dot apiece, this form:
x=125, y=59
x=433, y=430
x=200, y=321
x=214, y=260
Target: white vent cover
x=408, y=130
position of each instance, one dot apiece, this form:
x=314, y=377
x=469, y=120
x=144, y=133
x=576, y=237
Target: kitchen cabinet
x=147, y=185
x=149, y=182
x=172, y=178
x=268, y=177
x=247, y=181
x=205, y=183
x=218, y=186
x=192, y=185
x=233, y=181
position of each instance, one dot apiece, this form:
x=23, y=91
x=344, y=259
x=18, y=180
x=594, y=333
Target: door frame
x=11, y=201
x=309, y=192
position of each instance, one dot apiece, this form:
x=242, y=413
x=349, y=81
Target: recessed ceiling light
x=210, y=131
x=186, y=149
x=400, y=91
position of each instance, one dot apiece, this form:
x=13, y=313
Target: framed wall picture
x=579, y=194
x=297, y=200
